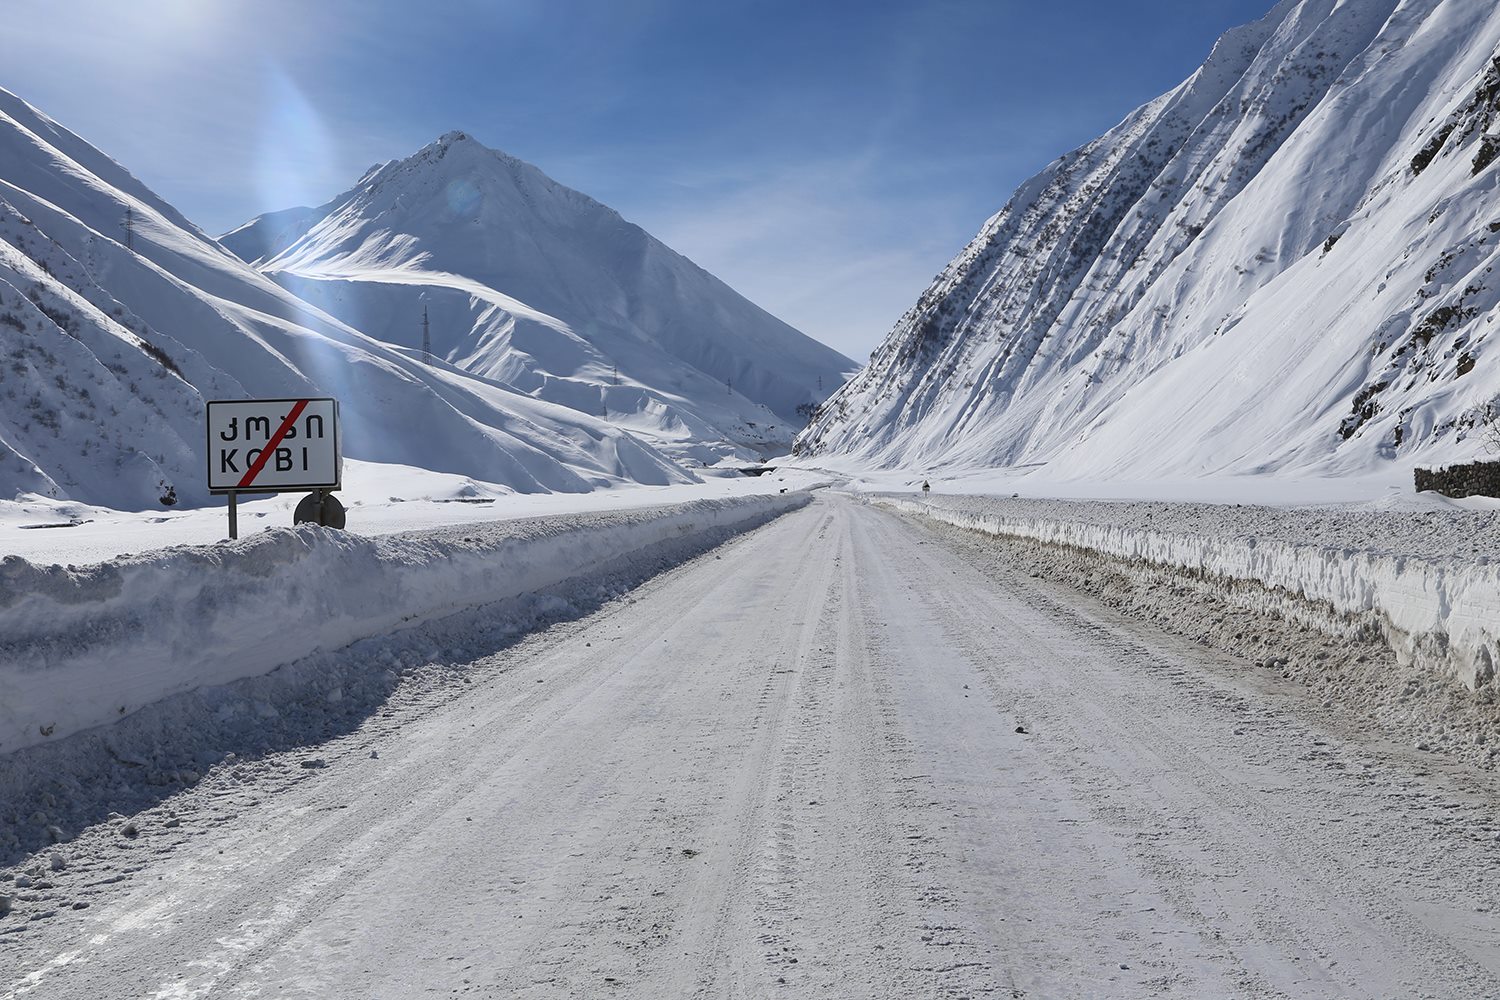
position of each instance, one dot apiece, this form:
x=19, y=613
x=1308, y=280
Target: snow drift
x=521, y=280
x=86, y=646
x=1283, y=266
x=1440, y=613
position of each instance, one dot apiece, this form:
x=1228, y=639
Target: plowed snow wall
x=1443, y=615
x=85, y=646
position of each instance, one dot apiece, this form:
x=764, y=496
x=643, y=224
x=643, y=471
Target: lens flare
x=295, y=152
x=464, y=199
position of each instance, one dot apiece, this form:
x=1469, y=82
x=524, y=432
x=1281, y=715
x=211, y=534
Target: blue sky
x=826, y=159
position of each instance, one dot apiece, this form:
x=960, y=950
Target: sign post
x=272, y=446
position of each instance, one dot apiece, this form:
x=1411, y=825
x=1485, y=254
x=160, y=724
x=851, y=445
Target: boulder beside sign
x=273, y=445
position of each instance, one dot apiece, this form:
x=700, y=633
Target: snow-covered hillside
x=118, y=318
x=534, y=285
x=1283, y=266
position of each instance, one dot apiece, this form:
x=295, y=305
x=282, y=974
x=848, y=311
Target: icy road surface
x=834, y=758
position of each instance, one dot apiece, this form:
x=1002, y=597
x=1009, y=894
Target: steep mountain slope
x=1283, y=266
x=528, y=282
x=118, y=318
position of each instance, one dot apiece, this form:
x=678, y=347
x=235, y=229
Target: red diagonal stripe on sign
x=265, y=453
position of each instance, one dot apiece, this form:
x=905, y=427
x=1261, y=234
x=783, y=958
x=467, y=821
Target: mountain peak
x=453, y=153
x=537, y=285
x=450, y=142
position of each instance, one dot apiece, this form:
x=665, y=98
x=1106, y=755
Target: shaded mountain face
x=536, y=286
x=118, y=318
x=1283, y=266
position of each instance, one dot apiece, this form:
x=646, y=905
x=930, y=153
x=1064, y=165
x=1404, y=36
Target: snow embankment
x=85, y=646
x=1438, y=602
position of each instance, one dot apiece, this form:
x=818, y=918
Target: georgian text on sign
x=268, y=445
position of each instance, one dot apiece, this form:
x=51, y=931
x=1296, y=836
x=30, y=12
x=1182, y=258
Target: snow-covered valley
x=119, y=318
x=122, y=319
x=793, y=765
x=1089, y=642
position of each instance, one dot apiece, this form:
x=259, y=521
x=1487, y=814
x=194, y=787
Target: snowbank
x=1439, y=611
x=85, y=646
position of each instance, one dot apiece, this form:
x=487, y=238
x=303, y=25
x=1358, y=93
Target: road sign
x=273, y=445
x=319, y=508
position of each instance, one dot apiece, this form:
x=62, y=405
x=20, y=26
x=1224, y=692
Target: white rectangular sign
x=269, y=445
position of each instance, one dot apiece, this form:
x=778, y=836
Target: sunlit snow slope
x=530, y=283
x=1283, y=266
x=118, y=318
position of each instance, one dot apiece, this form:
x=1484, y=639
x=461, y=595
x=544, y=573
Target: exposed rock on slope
x=1281, y=266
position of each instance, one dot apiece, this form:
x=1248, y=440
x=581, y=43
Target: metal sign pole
x=276, y=446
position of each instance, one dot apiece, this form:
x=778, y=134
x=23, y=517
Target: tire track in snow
x=1247, y=841
x=299, y=876
x=802, y=747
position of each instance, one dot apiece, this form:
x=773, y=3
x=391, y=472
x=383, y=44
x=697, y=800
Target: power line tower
x=617, y=374
x=129, y=224
x=426, y=338
x=728, y=387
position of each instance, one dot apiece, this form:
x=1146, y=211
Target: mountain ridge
x=1128, y=312
x=535, y=284
x=118, y=318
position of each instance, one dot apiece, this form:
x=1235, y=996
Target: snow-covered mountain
x=539, y=287
x=1283, y=266
x=118, y=318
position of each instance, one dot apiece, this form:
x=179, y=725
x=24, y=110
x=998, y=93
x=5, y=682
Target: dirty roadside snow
x=1394, y=613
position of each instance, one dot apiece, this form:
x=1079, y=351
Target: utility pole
x=617, y=374
x=426, y=338
x=728, y=387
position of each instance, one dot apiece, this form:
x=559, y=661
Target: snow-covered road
x=833, y=758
